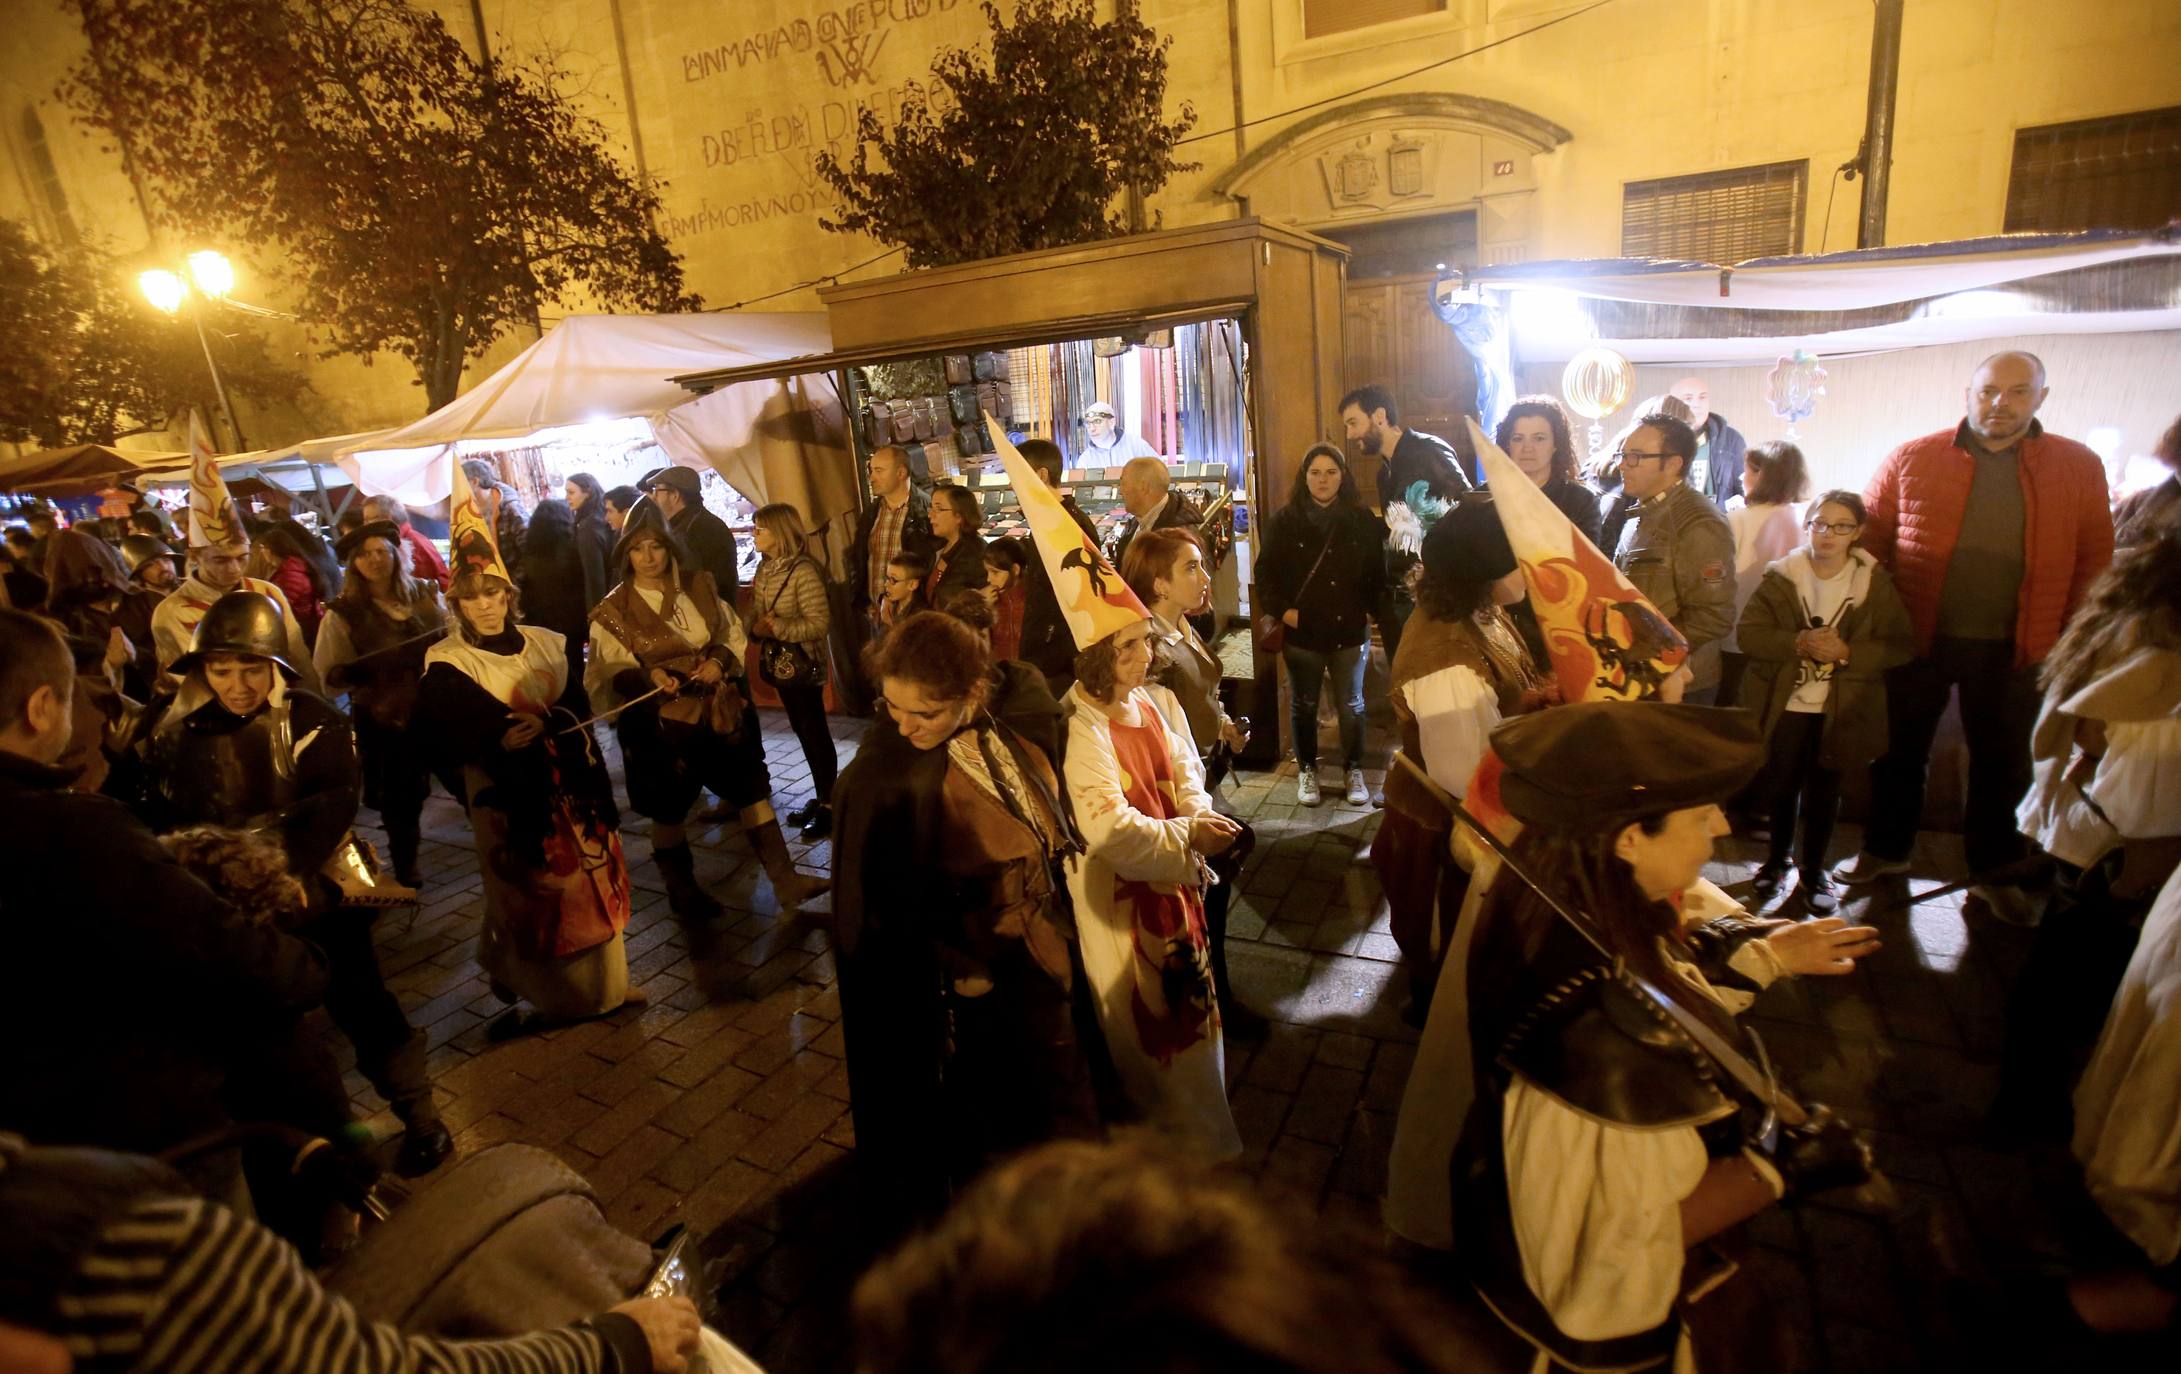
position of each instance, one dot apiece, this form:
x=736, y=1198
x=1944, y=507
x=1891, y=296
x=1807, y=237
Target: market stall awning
x=79, y=469
x=772, y=442
x=1863, y=300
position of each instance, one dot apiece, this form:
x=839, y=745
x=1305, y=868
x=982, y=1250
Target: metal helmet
x=139, y=549
x=241, y=622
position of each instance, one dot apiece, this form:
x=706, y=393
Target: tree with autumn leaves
x=89, y=361
x=410, y=197
x=1028, y=145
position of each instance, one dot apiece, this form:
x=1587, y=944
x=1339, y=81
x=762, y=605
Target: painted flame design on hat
x=215, y=521
x=472, y=543
x=1093, y=599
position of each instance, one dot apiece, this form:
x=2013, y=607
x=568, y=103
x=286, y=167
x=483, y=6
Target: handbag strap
x=1304, y=585
x=785, y=578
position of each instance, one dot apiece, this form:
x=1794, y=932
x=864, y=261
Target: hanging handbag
x=783, y=662
x=961, y=369
x=1270, y=631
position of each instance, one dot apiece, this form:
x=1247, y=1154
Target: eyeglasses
x=1837, y=527
x=1626, y=456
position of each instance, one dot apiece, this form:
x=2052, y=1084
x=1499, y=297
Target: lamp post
x=213, y=276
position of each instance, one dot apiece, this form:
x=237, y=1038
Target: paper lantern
x=1793, y=387
x=1596, y=383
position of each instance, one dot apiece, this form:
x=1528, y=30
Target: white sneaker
x=1306, y=787
x=1359, y=791
x=1867, y=868
x=2010, y=905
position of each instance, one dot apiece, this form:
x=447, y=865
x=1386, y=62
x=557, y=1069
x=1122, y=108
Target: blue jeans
x=1306, y=672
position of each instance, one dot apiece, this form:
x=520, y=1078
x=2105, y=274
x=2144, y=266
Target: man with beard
x=1421, y=478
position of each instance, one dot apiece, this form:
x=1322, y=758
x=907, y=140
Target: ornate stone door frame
x=1397, y=156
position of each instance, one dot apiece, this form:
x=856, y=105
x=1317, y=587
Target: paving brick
x=1325, y=1104
x=788, y=1084
x=637, y=1155
x=696, y=1159
x=1284, y=1058
x=698, y=1106
x=618, y=1122
x=791, y=1132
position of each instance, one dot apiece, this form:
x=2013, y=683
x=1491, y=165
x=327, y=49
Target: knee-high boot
x=685, y=896
x=789, y=887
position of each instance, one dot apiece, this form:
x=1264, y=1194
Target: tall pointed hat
x=1604, y=638
x=215, y=521
x=472, y=543
x=1093, y=599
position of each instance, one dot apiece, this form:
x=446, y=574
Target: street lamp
x=214, y=276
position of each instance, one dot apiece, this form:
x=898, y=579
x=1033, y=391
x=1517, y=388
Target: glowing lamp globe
x=212, y=272
x=163, y=289
x=1597, y=383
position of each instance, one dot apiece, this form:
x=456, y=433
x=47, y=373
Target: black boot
x=425, y=1141
x=789, y=888
x=818, y=825
x=402, y=839
x=684, y=894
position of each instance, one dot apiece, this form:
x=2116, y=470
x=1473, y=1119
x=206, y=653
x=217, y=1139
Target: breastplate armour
x=215, y=771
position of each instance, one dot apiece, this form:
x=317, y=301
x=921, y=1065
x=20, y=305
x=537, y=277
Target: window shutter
x=2118, y=173
x=1722, y=217
x=1323, y=17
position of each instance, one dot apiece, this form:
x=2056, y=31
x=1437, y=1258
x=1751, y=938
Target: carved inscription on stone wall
x=753, y=111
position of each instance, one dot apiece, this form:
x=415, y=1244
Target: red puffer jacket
x=1921, y=493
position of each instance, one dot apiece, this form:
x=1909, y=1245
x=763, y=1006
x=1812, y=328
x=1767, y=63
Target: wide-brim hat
x=241, y=622
x=345, y=547
x=1599, y=765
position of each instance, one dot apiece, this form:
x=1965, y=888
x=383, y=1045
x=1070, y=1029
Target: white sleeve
x=1456, y=712
x=334, y=646
x=1115, y=833
x=607, y=656
x=2138, y=783
x=1181, y=748
x=1597, y=1212
x=735, y=637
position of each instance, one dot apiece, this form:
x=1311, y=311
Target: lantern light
x=163, y=289
x=212, y=272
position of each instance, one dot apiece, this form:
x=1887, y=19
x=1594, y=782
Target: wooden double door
x=1393, y=337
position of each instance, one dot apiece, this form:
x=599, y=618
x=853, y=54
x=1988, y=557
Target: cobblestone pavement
x=723, y=1104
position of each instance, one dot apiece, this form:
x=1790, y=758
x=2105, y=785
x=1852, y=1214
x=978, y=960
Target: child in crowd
x=905, y=574
x=1822, y=628
x=1005, y=591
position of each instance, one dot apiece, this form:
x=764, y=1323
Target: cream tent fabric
x=775, y=441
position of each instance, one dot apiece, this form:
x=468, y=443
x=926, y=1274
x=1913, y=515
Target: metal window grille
x=1723, y=217
x=2123, y=172
x=1323, y=17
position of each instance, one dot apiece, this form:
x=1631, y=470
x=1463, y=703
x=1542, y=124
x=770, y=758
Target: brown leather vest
x=630, y=619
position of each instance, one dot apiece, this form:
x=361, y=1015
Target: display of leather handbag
x=901, y=420
x=930, y=417
x=998, y=398
x=878, y=427
x=962, y=402
x=970, y=438
x=991, y=367
x=961, y=369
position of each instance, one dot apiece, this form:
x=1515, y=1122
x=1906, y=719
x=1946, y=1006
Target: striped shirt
x=181, y=1285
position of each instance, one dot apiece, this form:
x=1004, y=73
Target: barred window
x=1324, y=17
x=1722, y=217
x=2123, y=172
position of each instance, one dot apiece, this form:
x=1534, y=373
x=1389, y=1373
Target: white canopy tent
x=782, y=440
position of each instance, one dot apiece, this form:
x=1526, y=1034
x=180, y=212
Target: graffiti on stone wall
x=845, y=43
x=768, y=119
